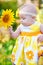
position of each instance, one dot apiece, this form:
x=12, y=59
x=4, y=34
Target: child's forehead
x=28, y=8
x=22, y=15
x=26, y=14
x=23, y=12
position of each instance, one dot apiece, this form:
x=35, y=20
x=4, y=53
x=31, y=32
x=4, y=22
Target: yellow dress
x=25, y=51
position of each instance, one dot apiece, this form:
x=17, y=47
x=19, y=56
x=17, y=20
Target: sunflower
x=17, y=13
x=7, y=17
x=0, y=23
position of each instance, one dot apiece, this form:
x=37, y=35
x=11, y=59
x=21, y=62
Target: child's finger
x=10, y=28
x=13, y=64
x=38, y=39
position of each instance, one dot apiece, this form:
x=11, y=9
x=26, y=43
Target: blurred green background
x=6, y=47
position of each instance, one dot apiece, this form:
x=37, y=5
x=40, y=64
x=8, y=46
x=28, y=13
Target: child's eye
x=33, y=17
x=23, y=18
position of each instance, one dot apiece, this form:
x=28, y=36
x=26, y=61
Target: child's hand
x=13, y=64
x=40, y=38
x=10, y=28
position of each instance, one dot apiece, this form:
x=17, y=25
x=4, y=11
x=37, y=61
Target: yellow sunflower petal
x=7, y=17
x=17, y=13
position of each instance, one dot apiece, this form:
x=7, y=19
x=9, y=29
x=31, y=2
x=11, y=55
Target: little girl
x=25, y=51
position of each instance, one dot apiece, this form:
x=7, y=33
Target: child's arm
x=14, y=34
x=40, y=38
x=41, y=28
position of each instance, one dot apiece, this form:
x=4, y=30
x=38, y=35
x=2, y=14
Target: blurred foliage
x=9, y=5
x=40, y=16
x=40, y=2
x=6, y=47
x=5, y=52
x=14, y=26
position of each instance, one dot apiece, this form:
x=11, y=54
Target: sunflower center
x=6, y=18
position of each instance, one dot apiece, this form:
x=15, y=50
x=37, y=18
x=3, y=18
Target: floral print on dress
x=26, y=48
x=30, y=55
x=13, y=57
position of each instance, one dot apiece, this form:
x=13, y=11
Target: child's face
x=26, y=20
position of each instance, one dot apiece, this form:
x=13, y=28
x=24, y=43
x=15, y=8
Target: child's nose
x=21, y=20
